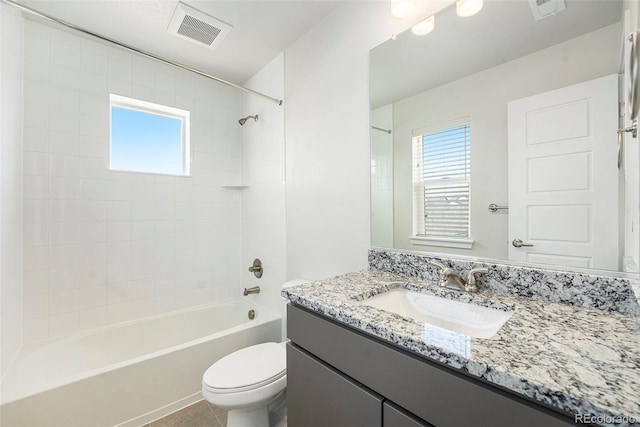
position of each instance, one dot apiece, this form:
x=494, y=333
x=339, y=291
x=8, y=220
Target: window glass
x=148, y=137
x=441, y=182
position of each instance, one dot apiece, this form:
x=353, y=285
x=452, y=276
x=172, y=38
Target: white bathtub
x=127, y=374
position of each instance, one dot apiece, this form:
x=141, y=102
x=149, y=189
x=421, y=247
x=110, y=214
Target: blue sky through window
x=146, y=142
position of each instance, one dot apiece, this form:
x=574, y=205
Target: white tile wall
x=11, y=72
x=263, y=207
x=103, y=246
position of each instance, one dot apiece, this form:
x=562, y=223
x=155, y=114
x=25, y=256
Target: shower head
x=244, y=120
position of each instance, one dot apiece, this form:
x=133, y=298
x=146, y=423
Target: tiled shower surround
x=102, y=246
x=11, y=26
x=600, y=292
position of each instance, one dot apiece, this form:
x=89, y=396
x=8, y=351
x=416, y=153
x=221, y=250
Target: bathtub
x=127, y=374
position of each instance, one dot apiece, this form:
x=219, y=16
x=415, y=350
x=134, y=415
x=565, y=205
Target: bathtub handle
x=256, y=268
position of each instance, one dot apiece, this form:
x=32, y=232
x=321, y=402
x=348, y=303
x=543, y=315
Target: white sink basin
x=469, y=319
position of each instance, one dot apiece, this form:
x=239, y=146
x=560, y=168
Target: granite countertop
x=583, y=361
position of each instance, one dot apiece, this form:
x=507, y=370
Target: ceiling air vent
x=544, y=8
x=197, y=26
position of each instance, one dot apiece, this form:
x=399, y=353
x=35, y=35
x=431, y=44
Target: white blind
x=441, y=182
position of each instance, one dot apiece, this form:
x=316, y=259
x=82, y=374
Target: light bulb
x=402, y=8
x=424, y=27
x=466, y=8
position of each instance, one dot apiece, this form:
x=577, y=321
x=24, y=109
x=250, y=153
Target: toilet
x=250, y=383
x=247, y=382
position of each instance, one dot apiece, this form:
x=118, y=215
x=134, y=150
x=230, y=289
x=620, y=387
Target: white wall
x=327, y=141
x=103, y=246
x=263, y=205
x=11, y=45
x=483, y=97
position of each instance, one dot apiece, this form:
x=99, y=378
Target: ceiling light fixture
x=402, y=8
x=466, y=8
x=424, y=27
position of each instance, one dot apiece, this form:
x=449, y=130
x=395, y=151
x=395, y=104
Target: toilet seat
x=247, y=369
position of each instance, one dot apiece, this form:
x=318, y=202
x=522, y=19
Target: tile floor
x=201, y=414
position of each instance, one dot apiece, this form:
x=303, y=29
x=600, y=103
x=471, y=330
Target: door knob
x=519, y=243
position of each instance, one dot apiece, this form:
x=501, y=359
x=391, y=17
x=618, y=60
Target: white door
x=631, y=155
x=563, y=176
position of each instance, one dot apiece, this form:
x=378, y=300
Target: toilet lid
x=247, y=368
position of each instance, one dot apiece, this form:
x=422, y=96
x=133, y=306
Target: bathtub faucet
x=256, y=268
x=254, y=290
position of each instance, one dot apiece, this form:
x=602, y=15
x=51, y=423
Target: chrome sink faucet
x=450, y=279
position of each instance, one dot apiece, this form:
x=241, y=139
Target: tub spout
x=254, y=290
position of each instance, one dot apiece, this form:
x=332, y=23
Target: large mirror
x=495, y=136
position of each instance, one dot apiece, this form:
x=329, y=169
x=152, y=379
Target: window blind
x=441, y=182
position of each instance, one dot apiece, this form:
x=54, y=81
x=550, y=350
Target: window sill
x=444, y=242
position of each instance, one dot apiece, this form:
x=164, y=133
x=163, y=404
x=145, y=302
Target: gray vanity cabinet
x=394, y=416
x=320, y=396
x=335, y=372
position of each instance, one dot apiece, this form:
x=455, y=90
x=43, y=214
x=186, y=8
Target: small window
x=441, y=184
x=147, y=137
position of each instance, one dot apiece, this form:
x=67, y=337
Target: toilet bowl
x=250, y=383
x=247, y=382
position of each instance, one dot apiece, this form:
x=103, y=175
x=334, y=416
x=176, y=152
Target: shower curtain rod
x=138, y=51
x=381, y=129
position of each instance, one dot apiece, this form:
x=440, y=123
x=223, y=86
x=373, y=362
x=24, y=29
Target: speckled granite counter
x=580, y=360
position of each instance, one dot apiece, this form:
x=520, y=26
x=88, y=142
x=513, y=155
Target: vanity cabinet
x=393, y=415
x=339, y=376
x=325, y=397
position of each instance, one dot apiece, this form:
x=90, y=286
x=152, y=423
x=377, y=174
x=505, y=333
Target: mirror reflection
x=495, y=136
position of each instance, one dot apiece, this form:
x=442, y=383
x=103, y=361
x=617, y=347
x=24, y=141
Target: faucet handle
x=445, y=272
x=438, y=264
x=256, y=268
x=443, y=269
x=471, y=278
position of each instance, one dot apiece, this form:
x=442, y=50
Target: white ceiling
x=502, y=31
x=261, y=28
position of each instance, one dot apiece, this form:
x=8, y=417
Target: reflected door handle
x=633, y=73
x=519, y=243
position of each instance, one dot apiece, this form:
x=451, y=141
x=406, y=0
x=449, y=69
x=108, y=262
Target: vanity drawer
x=394, y=416
x=442, y=396
x=319, y=396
